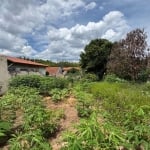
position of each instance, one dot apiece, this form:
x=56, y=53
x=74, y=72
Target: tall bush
x=128, y=57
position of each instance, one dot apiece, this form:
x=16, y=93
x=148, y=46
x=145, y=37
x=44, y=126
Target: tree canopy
x=95, y=56
x=128, y=56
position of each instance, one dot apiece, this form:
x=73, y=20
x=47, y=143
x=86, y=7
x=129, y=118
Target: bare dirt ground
x=71, y=117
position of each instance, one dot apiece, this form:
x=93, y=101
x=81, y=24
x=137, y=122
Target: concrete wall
x=23, y=69
x=20, y=69
x=4, y=77
x=42, y=71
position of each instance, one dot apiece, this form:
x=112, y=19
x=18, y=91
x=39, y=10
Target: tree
x=95, y=56
x=128, y=57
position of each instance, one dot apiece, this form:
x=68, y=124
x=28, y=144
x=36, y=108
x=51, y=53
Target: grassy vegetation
x=112, y=114
x=36, y=123
x=119, y=117
x=118, y=97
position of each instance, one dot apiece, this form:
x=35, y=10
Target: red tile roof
x=22, y=61
x=52, y=70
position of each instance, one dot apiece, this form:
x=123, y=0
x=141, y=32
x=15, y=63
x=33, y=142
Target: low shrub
x=143, y=75
x=89, y=77
x=43, y=84
x=113, y=78
x=27, y=80
x=58, y=94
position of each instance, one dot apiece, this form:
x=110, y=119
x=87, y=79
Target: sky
x=58, y=30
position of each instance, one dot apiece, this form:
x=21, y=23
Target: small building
x=59, y=71
x=12, y=66
x=68, y=69
x=54, y=71
x=17, y=66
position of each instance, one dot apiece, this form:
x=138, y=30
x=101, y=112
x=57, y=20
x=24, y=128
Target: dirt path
x=71, y=117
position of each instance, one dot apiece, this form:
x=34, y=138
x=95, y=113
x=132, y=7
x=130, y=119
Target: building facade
x=11, y=67
x=17, y=66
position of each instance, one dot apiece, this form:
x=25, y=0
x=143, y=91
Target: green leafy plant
x=137, y=126
x=43, y=84
x=27, y=80
x=84, y=106
x=92, y=134
x=30, y=140
x=84, y=100
x=114, y=114
x=5, y=131
x=127, y=108
x=35, y=118
x=113, y=78
x=89, y=77
x=59, y=95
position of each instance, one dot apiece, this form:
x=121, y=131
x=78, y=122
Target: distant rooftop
x=52, y=70
x=23, y=61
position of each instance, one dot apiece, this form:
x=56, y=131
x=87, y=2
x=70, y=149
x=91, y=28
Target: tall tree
x=128, y=56
x=95, y=56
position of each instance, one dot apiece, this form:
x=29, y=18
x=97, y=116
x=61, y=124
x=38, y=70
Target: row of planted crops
x=112, y=115
x=25, y=122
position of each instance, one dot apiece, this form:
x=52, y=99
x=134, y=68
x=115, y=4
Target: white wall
x=42, y=71
x=4, y=77
x=27, y=69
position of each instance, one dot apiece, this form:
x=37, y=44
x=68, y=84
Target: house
x=67, y=69
x=17, y=66
x=12, y=66
x=54, y=71
x=59, y=71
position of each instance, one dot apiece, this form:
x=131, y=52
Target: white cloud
x=19, y=17
x=67, y=43
x=10, y=41
x=57, y=28
x=109, y=34
x=23, y=17
x=54, y=9
x=113, y=15
x=90, y=6
x=26, y=51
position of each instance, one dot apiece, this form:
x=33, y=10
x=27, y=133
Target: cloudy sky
x=58, y=30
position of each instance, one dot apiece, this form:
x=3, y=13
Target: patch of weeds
x=59, y=95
